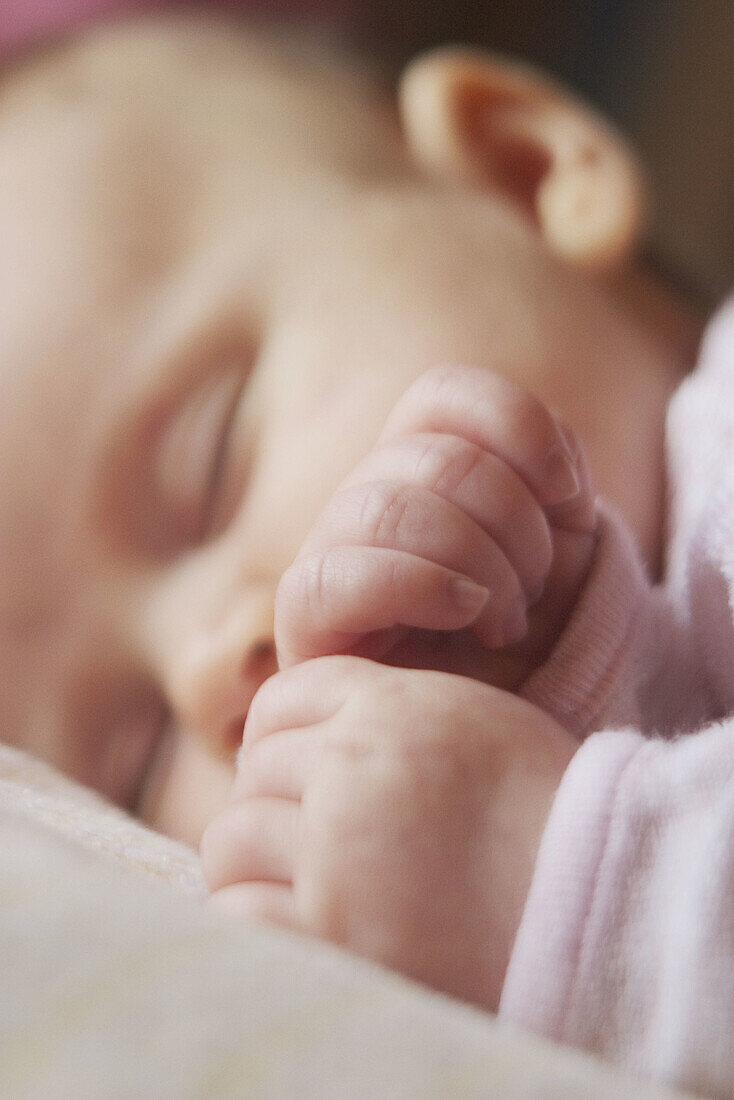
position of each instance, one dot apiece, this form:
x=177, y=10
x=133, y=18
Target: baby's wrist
x=540, y=789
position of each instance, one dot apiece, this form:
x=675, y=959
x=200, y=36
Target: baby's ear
x=477, y=119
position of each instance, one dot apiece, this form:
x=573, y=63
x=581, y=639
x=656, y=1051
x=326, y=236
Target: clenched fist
x=395, y=812
x=468, y=529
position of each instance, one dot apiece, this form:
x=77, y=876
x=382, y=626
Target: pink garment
x=25, y=21
x=626, y=946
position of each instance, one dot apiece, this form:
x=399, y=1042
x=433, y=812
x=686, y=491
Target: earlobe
x=488, y=123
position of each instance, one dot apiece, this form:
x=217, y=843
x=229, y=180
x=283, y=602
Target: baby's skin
x=394, y=811
x=224, y=262
x=466, y=530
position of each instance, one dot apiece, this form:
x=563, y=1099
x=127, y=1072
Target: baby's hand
x=397, y=812
x=475, y=506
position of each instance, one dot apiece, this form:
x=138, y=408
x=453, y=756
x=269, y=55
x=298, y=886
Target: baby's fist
x=474, y=507
x=396, y=812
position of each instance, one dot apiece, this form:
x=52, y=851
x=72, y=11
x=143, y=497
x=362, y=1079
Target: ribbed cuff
x=577, y=681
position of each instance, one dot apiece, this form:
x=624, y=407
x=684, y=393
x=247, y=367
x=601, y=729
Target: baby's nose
x=212, y=669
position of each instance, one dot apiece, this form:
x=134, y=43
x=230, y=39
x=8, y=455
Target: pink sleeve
x=660, y=658
x=626, y=946
x=590, y=674
x=627, y=655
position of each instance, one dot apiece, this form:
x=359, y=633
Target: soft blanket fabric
x=117, y=982
x=34, y=791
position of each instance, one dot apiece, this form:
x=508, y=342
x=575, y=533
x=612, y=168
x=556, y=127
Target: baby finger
x=326, y=602
x=255, y=840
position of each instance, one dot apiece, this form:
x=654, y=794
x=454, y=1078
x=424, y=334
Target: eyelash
x=219, y=467
x=190, y=450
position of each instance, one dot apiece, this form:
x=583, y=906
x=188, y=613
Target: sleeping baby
x=295, y=377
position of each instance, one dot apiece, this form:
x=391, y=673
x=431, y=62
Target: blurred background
x=663, y=70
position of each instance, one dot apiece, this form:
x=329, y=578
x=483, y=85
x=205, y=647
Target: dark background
x=663, y=70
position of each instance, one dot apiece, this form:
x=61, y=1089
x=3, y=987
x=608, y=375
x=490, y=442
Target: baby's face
x=219, y=271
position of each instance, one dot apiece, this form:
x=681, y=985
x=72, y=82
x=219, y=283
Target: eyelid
x=188, y=452
x=140, y=500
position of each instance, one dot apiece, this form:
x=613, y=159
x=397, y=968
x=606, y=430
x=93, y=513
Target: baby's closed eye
x=174, y=474
x=191, y=452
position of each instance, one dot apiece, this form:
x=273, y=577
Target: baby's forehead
x=200, y=88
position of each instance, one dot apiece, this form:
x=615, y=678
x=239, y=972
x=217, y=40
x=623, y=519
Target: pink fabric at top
x=25, y=21
x=626, y=946
x=22, y=21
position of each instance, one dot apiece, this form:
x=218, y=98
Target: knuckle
x=431, y=387
x=381, y=705
x=302, y=586
x=444, y=463
x=384, y=509
x=463, y=464
x=436, y=379
x=344, y=737
x=448, y=379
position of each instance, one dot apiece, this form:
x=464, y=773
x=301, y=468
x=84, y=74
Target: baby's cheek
x=186, y=788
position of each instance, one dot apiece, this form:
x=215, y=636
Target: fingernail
x=562, y=481
x=468, y=595
x=515, y=626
